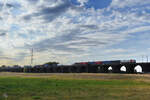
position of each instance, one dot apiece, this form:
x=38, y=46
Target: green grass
x=21, y=88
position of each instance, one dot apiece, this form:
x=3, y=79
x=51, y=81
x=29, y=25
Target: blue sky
x=69, y=31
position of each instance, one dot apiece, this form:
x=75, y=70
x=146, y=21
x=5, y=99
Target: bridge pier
x=74, y=69
x=103, y=69
x=92, y=69
x=116, y=69
x=130, y=69
x=145, y=67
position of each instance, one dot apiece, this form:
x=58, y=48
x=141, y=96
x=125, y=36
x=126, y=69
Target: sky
x=69, y=31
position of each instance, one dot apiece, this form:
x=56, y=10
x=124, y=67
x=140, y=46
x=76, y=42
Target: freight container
x=91, y=63
x=111, y=62
x=81, y=63
x=128, y=61
x=84, y=63
x=115, y=62
x=98, y=62
x=132, y=61
x=106, y=62
x=125, y=61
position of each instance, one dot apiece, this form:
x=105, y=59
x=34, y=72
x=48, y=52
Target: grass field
x=21, y=86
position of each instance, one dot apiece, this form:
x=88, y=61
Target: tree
x=52, y=63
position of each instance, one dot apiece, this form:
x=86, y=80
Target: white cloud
x=128, y=3
x=82, y=2
x=68, y=29
x=116, y=51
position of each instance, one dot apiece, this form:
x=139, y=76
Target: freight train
x=79, y=67
x=114, y=62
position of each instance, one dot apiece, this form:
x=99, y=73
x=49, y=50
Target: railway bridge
x=86, y=67
x=116, y=68
x=130, y=68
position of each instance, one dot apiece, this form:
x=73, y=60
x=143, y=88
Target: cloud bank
x=70, y=31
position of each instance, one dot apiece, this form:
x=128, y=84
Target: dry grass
x=86, y=76
x=83, y=86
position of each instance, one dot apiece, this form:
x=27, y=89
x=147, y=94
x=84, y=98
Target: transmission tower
x=32, y=56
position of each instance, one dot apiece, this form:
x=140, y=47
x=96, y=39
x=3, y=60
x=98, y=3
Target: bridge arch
x=116, y=68
x=102, y=69
x=110, y=69
x=99, y=68
x=138, y=69
x=127, y=68
x=123, y=69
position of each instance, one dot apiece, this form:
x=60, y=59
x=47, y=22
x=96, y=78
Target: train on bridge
x=114, y=62
x=83, y=67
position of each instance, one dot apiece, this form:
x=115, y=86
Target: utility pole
x=31, y=56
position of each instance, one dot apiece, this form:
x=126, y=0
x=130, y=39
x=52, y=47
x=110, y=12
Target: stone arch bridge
x=116, y=68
